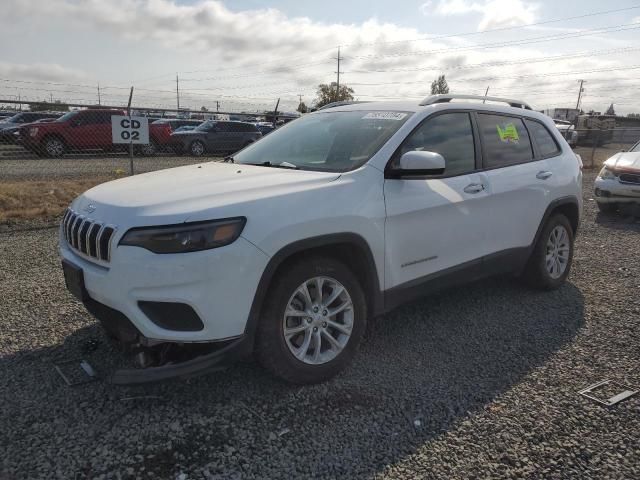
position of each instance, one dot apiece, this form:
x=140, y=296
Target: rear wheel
x=150, y=149
x=53, y=147
x=313, y=321
x=196, y=148
x=607, y=207
x=550, y=261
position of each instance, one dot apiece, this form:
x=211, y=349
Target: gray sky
x=247, y=53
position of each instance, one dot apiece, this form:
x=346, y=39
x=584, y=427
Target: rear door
x=518, y=178
x=438, y=224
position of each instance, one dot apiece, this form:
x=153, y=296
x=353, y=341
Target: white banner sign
x=130, y=130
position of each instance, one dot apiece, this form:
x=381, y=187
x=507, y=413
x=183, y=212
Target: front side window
x=326, y=141
x=505, y=140
x=544, y=140
x=450, y=135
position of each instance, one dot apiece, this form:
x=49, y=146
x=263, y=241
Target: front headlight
x=186, y=237
x=607, y=174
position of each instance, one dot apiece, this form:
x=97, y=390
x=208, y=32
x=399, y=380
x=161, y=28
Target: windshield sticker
x=384, y=116
x=508, y=133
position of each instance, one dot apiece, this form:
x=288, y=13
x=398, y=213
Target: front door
x=437, y=225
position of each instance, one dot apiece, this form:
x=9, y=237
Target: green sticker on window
x=508, y=133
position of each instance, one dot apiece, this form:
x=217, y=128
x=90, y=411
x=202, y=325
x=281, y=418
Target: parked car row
x=10, y=126
x=52, y=135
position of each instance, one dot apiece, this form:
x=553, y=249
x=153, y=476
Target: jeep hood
x=624, y=161
x=190, y=193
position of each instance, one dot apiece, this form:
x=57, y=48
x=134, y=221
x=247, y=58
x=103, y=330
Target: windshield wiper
x=287, y=165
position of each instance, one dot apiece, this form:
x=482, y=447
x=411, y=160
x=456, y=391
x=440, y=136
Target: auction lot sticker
x=384, y=116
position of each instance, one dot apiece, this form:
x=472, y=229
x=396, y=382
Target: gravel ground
x=479, y=382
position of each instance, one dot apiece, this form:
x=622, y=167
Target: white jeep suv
x=337, y=217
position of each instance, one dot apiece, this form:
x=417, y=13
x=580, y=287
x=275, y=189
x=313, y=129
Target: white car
x=619, y=180
x=332, y=219
x=568, y=131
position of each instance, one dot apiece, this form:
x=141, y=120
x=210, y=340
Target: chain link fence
x=47, y=158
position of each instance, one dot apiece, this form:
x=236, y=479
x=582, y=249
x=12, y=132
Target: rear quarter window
x=505, y=140
x=547, y=145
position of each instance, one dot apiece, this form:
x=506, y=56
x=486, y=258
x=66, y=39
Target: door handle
x=543, y=175
x=474, y=188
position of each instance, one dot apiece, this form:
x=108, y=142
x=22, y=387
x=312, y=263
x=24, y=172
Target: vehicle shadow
x=422, y=369
x=626, y=218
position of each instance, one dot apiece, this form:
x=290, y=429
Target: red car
x=75, y=131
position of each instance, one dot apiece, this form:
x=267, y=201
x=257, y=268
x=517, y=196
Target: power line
x=493, y=30
x=552, y=58
x=526, y=41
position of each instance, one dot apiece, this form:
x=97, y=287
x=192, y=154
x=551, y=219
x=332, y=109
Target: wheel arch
x=349, y=248
x=568, y=206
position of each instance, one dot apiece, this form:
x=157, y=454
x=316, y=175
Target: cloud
x=51, y=72
x=248, y=59
x=495, y=13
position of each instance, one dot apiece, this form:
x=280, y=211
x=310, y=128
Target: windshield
x=327, y=141
x=205, y=127
x=67, y=116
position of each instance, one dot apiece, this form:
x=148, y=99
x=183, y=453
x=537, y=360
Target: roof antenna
x=485, y=94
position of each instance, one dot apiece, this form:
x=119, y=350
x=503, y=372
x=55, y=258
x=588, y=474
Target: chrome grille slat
x=88, y=237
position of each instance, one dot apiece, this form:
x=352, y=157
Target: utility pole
x=177, y=93
x=582, y=82
x=217, y=106
x=51, y=97
x=99, y=100
x=338, y=73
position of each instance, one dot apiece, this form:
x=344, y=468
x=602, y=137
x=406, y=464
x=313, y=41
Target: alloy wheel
x=318, y=320
x=54, y=147
x=558, y=251
x=197, y=148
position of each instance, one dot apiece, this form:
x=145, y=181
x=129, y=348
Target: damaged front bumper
x=183, y=361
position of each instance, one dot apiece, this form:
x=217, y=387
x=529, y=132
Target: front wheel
x=53, y=147
x=313, y=321
x=196, y=148
x=550, y=261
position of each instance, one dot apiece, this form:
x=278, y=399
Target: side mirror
x=418, y=163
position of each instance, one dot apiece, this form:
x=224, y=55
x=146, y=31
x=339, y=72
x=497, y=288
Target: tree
x=302, y=108
x=634, y=115
x=204, y=109
x=610, y=110
x=327, y=94
x=439, y=86
x=44, y=106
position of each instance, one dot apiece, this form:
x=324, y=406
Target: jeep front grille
x=87, y=236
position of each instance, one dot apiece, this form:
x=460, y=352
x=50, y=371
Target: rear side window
x=450, y=135
x=505, y=140
x=545, y=142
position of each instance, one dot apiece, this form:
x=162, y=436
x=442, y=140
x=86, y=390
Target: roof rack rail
x=340, y=104
x=447, y=98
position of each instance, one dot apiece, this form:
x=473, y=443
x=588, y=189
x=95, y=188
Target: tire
x=53, y=147
x=545, y=269
x=276, y=352
x=149, y=150
x=607, y=207
x=197, y=148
